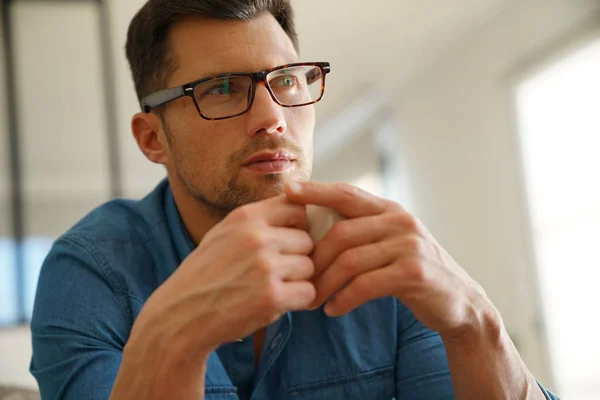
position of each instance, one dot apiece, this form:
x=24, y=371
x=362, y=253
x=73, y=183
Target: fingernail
x=295, y=187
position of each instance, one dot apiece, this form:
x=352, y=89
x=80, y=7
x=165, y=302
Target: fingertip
x=330, y=310
x=310, y=292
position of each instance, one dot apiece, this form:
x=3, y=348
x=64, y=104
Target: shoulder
x=115, y=243
x=122, y=220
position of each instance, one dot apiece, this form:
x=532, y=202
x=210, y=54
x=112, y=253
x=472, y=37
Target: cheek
x=301, y=124
x=200, y=146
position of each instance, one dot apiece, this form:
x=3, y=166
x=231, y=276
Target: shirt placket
x=276, y=338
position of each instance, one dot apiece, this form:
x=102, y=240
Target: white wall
x=139, y=174
x=463, y=159
x=351, y=161
x=15, y=347
x=61, y=113
x=61, y=109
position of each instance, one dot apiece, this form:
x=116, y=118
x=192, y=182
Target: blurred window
x=62, y=133
x=559, y=124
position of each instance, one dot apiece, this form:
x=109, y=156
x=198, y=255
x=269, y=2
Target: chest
x=311, y=356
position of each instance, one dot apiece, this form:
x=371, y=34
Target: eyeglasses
x=230, y=95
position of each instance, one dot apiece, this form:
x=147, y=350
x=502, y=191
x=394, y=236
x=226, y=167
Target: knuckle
x=409, y=222
x=364, y=285
x=416, y=271
x=396, y=219
x=307, y=266
x=349, y=261
x=346, y=190
x=298, y=215
x=310, y=294
x=255, y=240
x=263, y=263
x=404, y=221
x=393, y=206
x=270, y=297
x=341, y=229
x=308, y=242
x=242, y=213
x=414, y=244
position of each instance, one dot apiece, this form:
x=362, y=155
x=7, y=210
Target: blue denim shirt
x=100, y=273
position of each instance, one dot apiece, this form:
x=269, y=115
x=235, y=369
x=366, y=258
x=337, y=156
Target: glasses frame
x=165, y=96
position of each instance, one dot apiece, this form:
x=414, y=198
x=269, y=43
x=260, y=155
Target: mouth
x=270, y=162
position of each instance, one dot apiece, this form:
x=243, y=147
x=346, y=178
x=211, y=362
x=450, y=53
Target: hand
x=246, y=272
x=382, y=250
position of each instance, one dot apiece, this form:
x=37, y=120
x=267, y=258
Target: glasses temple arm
x=161, y=97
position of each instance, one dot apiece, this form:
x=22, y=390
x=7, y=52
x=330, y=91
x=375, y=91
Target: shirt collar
x=181, y=238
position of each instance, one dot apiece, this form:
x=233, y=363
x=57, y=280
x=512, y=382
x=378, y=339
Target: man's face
x=209, y=158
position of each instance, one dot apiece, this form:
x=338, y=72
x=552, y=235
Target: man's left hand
x=382, y=250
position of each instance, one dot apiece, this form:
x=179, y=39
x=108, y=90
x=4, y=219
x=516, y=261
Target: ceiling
x=387, y=42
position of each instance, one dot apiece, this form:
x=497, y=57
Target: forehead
x=203, y=47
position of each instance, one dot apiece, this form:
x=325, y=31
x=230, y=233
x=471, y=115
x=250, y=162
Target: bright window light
x=559, y=125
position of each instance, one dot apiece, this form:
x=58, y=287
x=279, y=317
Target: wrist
x=153, y=372
x=484, y=363
x=155, y=331
x=154, y=342
x=160, y=362
x=484, y=328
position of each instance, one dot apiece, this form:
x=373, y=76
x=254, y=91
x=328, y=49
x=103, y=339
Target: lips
x=266, y=157
x=270, y=162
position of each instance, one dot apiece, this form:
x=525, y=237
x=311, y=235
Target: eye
x=223, y=87
x=285, y=81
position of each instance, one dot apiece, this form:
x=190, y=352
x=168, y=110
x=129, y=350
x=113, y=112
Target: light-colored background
x=450, y=68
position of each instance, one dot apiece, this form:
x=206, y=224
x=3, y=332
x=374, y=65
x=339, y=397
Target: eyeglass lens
x=293, y=86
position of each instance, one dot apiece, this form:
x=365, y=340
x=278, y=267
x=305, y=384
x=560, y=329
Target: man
x=211, y=287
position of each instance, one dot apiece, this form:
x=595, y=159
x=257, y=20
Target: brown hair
x=147, y=45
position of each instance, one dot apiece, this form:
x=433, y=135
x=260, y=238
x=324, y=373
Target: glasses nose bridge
x=261, y=77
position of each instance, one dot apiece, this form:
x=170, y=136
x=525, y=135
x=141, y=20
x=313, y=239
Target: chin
x=271, y=185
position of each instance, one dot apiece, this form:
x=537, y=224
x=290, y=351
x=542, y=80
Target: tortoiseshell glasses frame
x=245, y=84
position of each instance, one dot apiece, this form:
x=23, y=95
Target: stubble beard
x=218, y=201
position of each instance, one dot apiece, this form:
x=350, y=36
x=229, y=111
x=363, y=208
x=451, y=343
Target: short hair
x=148, y=49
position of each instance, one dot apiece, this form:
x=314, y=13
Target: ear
x=150, y=136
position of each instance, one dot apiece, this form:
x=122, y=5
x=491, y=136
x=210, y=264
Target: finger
x=298, y=295
x=345, y=235
x=291, y=241
x=364, y=288
x=294, y=268
x=348, y=200
x=278, y=211
x=350, y=264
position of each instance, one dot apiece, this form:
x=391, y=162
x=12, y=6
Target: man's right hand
x=246, y=272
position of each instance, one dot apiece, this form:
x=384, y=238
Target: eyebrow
x=282, y=71
x=291, y=59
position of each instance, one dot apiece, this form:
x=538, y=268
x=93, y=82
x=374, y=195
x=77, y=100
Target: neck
x=198, y=218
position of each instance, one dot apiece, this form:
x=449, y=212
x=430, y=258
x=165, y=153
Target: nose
x=265, y=116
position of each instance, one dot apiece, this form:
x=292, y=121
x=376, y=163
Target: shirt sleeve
x=549, y=395
x=80, y=325
x=421, y=366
